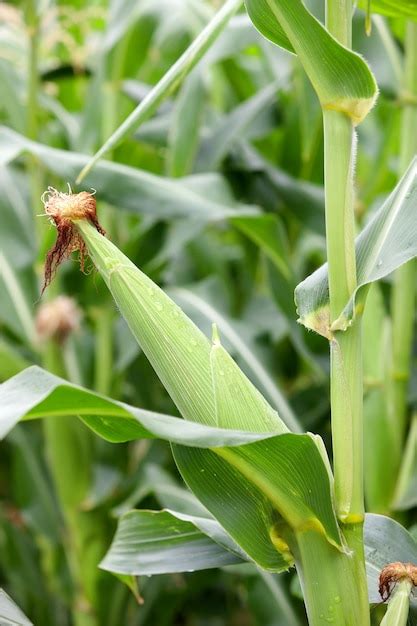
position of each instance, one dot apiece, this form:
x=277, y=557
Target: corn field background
x=215, y=190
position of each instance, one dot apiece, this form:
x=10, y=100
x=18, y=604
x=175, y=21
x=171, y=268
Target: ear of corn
x=177, y=349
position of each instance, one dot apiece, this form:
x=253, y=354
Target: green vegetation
x=177, y=449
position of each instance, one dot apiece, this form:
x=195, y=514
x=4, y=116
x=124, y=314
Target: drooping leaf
x=341, y=78
x=388, y=241
x=242, y=509
x=127, y=187
x=386, y=541
x=157, y=542
x=232, y=128
x=35, y=393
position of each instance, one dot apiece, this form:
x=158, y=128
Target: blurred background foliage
x=218, y=197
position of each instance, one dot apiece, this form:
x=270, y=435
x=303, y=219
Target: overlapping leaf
x=341, y=78
x=264, y=485
x=388, y=241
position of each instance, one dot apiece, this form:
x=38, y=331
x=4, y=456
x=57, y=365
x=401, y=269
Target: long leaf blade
x=169, y=81
x=35, y=393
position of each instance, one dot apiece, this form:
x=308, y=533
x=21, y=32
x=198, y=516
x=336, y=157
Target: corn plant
x=261, y=492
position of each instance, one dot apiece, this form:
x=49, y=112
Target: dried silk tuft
x=63, y=209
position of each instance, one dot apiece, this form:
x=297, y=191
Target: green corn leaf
x=168, y=82
x=157, y=542
x=388, y=241
x=392, y=8
x=269, y=486
x=386, y=541
x=127, y=187
x=268, y=233
x=11, y=361
x=35, y=393
x=176, y=348
x=16, y=306
x=341, y=78
x=231, y=498
x=382, y=447
x=232, y=127
x=185, y=127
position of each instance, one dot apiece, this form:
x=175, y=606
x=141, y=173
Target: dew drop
x=337, y=599
x=193, y=342
x=379, y=263
x=158, y=306
x=151, y=291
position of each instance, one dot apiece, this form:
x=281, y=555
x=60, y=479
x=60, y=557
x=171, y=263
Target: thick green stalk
x=345, y=347
x=346, y=352
x=403, y=295
x=328, y=580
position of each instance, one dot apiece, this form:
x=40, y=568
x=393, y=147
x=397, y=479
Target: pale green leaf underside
x=341, y=78
x=388, y=241
x=10, y=614
x=127, y=187
x=392, y=8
